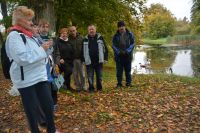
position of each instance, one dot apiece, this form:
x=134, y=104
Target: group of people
x=35, y=59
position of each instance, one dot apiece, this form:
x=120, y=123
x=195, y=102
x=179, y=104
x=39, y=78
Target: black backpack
x=5, y=62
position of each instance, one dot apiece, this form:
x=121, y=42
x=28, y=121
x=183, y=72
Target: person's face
x=44, y=29
x=73, y=31
x=122, y=29
x=92, y=31
x=35, y=29
x=64, y=35
x=27, y=23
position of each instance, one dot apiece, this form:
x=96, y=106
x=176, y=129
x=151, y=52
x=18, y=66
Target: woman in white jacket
x=28, y=69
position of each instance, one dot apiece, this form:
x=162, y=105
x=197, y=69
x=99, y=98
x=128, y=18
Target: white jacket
x=30, y=55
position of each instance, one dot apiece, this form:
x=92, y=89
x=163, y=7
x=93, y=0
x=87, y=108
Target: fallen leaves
x=153, y=105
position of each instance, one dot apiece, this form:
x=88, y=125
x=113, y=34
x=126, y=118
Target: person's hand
x=47, y=45
x=126, y=53
x=62, y=61
x=57, y=70
x=122, y=52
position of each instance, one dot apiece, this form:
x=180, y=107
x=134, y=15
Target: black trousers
x=67, y=69
x=33, y=97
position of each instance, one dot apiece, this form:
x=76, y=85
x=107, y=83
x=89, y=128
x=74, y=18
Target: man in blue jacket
x=123, y=45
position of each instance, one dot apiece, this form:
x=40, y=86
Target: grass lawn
x=156, y=41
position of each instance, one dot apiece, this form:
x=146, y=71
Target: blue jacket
x=129, y=46
x=30, y=55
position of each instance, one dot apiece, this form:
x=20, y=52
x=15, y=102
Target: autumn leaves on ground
x=155, y=104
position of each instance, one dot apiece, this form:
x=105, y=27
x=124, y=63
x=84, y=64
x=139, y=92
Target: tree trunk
x=49, y=14
x=4, y=8
x=4, y=11
x=44, y=10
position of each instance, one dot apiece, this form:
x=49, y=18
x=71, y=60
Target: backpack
x=5, y=61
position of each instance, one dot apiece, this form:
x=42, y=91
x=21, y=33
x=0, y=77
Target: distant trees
x=158, y=22
x=105, y=14
x=183, y=27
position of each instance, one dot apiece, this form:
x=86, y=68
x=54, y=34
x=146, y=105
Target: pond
x=183, y=60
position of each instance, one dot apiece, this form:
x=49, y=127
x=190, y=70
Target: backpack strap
x=21, y=67
x=23, y=37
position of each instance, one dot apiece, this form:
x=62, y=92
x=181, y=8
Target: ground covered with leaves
x=155, y=104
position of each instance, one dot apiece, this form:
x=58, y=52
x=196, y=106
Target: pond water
x=172, y=59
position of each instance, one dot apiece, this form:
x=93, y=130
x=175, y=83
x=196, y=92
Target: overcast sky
x=179, y=8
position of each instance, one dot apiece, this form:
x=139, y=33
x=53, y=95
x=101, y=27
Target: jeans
x=123, y=65
x=98, y=69
x=33, y=97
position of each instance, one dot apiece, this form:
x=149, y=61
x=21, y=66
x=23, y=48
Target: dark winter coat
x=126, y=51
x=77, y=44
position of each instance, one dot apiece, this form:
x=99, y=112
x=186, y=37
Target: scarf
x=23, y=30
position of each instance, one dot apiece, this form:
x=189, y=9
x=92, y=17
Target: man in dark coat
x=78, y=70
x=123, y=45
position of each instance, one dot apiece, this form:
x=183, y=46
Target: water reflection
x=183, y=63
x=176, y=59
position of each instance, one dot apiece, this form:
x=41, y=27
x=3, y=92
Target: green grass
x=178, y=39
x=170, y=78
x=184, y=39
x=159, y=41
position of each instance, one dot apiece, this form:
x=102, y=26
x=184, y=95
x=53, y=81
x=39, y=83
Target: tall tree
x=158, y=22
x=104, y=14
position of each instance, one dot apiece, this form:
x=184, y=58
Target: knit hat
x=120, y=24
